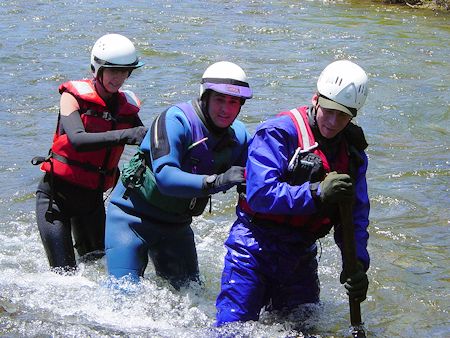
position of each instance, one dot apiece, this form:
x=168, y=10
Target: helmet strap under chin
x=99, y=79
x=205, y=111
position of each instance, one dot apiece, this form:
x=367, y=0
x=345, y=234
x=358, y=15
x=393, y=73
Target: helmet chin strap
x=99, y=79
x=205, y=111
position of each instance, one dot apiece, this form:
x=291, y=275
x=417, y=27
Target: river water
x=283, y=46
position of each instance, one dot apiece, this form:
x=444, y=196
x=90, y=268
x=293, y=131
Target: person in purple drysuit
x=301, y=165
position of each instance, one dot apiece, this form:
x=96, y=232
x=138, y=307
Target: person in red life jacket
x=300, y=165
x=96, y=120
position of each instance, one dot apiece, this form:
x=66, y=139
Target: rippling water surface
x=283, y=46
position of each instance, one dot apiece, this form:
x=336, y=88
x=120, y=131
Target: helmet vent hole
x=344, y=82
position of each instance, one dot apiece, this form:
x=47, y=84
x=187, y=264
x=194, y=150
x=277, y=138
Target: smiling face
x=113, y=78
x=331, y=122
x=223, y=109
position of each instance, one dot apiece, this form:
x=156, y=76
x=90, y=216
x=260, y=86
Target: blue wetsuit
x=275, y=265
x=137, y=229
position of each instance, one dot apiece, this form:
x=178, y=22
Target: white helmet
x=114, y=51
x=226, y=78
x=342, y=85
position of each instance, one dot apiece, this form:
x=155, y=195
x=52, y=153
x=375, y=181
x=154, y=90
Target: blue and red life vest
x=91, y=169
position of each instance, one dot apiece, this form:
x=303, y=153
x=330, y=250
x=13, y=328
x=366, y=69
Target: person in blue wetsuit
x=300, y=165
x=192, y=150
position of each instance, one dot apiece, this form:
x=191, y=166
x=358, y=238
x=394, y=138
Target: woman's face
x=113, y=78
x=223, y=109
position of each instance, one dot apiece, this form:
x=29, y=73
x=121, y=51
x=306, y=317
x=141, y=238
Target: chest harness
x=308, y=163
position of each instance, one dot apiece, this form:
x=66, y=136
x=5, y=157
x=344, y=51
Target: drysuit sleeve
x=82, y=140
x=361, y=210
x=268, y=157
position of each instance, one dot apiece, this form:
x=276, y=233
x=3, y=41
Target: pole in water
x=358, y=331
x=350, y=261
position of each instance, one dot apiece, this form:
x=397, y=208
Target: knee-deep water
x=283, y=46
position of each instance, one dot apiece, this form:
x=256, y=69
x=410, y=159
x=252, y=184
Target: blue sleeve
x=268, y=158
x=361, y=210
x=243, y=137
x=170, y=179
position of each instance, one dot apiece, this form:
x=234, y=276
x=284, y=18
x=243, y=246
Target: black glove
x=336, y=188
x=356, y=284
x=215, y=183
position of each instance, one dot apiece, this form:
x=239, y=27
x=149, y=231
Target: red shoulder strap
x=306, y=141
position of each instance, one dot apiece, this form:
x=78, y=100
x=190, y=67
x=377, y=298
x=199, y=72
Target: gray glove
x=336, y=188
x=215, y=183
x=135, y=135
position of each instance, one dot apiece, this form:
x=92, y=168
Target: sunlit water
x=283, y=46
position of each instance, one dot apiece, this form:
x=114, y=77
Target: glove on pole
x=336, y=188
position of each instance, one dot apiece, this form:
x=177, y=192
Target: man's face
x=223, y=109
x=331, y=122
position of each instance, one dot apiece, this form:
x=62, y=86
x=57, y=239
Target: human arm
x=268, y=156
x=170, y=141
x=170, y=137
x=81, y=140
x=234, y=176
x=355, y=279
x=353, y=274
x=361, y=208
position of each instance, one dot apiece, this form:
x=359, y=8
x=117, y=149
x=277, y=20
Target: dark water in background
x=283, y=46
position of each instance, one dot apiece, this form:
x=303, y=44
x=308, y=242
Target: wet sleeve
x=268, y=159
x=242, y=159
x=361, y=210
x=82, y=140
x=175, y=139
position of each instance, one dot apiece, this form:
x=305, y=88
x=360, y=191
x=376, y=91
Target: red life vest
x=92, y=169
x=315, y=223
